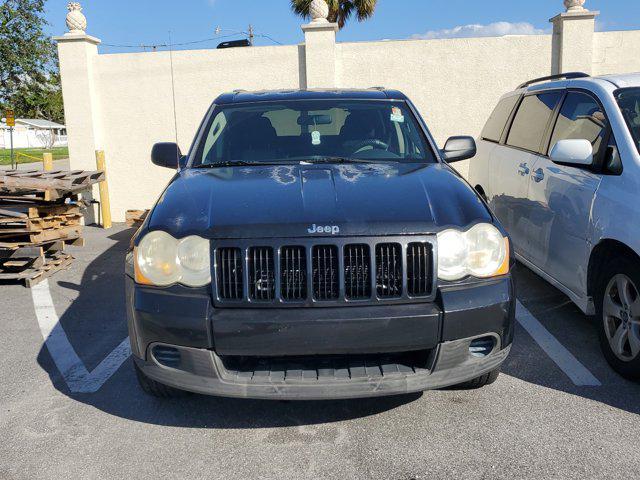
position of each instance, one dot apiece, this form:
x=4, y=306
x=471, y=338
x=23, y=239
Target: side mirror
x=459, y=148
x=167, y=155
x=572, y=152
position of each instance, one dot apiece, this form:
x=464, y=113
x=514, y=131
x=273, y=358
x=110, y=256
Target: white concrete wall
x=442, y=77
x=122, y=103
x=136, y=105
x=616, y=52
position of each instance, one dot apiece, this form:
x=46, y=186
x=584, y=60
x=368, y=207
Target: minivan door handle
x=523, y=169
x=538, y=175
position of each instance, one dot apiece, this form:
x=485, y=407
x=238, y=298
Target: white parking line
x=570, y=365
x=73, y=370
x=80, y=380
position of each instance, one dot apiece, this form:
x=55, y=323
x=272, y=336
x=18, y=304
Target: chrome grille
x=261, y=273
x=324, y=272
x=389, y=270
x=293, y=273
x=230, y=282
x=419, y=274
x=357, y=279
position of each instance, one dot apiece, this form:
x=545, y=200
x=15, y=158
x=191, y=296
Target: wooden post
x=47, y=161
x=105, y=206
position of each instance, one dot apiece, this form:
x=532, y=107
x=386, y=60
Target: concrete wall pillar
x=77, y=54
x=320, y=54
x=573, y=34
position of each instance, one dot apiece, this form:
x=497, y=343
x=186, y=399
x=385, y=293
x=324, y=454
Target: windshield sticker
x=315, y=137
x=396, y=115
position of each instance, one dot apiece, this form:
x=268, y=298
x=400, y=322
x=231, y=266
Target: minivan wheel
x=618, y=315
x=156, y=389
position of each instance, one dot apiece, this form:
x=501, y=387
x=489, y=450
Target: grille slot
x=293, y=273
x=261, y=274
x=419, y=274
x=389, y=270
x=357, y=267
x=230, y=273
x=325, y=272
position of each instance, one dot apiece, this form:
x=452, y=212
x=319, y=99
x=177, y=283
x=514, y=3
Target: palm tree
x=339, y=10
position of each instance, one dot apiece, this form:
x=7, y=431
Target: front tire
x=156, y=389
x=618, y=315
x=479, y=382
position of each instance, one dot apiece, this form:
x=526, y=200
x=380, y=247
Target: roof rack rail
x=381, y=89
x=562, y=76
x=239, y=90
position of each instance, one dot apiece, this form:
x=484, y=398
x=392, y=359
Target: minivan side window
x=498, y=120
x=582, y=118
x=531, y=121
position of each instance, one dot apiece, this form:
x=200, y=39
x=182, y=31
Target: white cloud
x=497, y=29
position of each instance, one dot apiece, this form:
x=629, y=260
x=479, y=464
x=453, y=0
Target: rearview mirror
x=168, y=155
x=572, y=152
x=314, y=120
x=459, y=148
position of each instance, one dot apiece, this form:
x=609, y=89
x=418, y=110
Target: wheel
x=618, y=315
x=479, y=382
x=156, y=389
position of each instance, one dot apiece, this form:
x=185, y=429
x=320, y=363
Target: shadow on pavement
x=575, y=331
x=95, y=323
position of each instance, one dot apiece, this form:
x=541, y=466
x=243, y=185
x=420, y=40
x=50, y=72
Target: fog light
x=481, y=347
x=167, y=356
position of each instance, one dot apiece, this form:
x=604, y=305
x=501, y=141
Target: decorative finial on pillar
x=575, y=5
x=76, y=21
x=319, y=11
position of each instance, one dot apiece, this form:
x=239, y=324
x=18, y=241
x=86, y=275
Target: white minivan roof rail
x=561, y=76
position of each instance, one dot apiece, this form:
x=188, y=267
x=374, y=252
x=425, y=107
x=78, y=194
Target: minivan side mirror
x=572, y=152
x=168, y=155
x=459, y=148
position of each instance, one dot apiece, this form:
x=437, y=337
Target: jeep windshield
x=629, y=103
x=317, y=131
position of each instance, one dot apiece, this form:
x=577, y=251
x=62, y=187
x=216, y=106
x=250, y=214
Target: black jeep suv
x=316, y=244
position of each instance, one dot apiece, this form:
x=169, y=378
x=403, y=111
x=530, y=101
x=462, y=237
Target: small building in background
x=34, y=133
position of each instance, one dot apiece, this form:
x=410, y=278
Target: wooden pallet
x=34, y=274
x=20, y=236
x=26, y=209
x=29, y=225
x=134, y=218
x=40, y=213
x=47, y=186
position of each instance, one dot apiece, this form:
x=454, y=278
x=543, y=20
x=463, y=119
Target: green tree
x=29, y=79
x=339, y=10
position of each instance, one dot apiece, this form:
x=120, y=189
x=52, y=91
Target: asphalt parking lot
x=558, y=411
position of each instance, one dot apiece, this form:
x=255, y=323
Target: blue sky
x=135, y=22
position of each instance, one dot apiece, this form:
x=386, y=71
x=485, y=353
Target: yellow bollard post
x=47, y=161
x=105, y=206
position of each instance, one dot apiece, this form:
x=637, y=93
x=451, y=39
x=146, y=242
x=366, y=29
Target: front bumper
x=204, y=336
x=202, y=371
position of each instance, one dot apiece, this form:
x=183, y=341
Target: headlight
x=481, y=252
x=163, y=260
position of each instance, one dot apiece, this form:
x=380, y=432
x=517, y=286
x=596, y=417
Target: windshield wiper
x=237, y=163
x=344, y=160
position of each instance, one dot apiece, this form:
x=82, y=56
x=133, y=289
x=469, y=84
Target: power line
x=251, y=34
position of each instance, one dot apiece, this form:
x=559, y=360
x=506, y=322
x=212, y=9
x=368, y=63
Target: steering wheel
x=374, y=142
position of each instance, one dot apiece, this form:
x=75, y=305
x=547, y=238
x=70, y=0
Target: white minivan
x=559, y=163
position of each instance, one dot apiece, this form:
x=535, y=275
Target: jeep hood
x=285, y=201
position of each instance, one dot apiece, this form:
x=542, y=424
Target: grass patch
x=30, y=155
